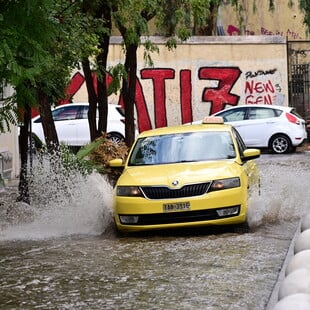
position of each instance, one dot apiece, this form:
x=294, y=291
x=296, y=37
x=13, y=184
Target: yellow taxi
x=185, y=176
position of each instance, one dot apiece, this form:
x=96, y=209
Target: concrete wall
x=9, y=150
x=9, y=154
x=259, y=20
x=202, y=76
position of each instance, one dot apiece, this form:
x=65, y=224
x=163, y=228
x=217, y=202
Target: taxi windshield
x=182, y=147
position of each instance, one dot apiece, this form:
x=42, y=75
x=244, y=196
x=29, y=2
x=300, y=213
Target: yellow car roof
x=185, y=128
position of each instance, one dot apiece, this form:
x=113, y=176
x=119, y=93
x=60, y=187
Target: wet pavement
x=63, y=252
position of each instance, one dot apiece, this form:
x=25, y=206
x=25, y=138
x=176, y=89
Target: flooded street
x=63, y=251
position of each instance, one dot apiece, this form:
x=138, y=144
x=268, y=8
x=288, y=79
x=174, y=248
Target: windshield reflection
x=182, y=147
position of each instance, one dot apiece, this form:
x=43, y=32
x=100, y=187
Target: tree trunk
x=129, y=92
x=47, y=121
x=129, y=83
x=23, y=147
x=92, y=100
x=210, y=27
x=102, y=93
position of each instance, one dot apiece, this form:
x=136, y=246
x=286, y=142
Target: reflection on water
x=226, y=271
x=69, y=257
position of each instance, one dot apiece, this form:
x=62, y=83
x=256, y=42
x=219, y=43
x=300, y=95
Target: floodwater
x=63, y=251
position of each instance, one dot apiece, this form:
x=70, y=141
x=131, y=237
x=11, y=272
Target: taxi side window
x=241, y=146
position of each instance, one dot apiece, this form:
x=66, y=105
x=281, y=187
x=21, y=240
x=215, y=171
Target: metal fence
x=299, y=76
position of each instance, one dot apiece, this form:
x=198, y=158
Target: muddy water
x=63, y=252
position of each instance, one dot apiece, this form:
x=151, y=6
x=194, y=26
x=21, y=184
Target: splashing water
x=62, y=203
x=284, y=190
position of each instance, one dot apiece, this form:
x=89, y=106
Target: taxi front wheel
x=242, y=228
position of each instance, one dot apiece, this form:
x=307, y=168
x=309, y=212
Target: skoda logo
x=175, y=183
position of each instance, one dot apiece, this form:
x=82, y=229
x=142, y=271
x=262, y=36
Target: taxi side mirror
x=116, y=163
x=250, y=154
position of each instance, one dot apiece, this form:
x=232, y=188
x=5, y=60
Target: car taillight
x=292, y=118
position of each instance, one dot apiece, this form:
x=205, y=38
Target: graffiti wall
x=201, y=77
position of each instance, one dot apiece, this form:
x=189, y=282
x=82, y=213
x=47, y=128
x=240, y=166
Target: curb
x=292, y=290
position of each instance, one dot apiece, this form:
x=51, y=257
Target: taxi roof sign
x=213, y=120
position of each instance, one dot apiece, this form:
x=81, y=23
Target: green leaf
x=84, y=151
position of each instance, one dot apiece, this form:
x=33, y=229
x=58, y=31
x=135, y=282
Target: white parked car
x=280, y=129
x=72, y=124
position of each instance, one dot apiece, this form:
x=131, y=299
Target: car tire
x=115, y=137
x=280, y=144
x=243, y=228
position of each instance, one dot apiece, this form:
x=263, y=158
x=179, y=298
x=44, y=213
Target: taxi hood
x=184, y=173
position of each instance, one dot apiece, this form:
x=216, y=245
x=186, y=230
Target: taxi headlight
x=129, y=191
x=224, y=184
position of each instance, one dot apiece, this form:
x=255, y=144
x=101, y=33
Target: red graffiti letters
x=220, y=95
x=186, y=96
x=158, y=77
x=259, y=92
x=144, y=121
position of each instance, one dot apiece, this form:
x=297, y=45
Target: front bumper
x=204, y=211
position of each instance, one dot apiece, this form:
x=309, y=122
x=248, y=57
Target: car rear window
x=262, y=113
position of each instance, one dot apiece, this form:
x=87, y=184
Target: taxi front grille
x=163, y=192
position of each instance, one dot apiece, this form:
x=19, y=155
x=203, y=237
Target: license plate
x=178, y=206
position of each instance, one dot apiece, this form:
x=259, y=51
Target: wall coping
x=205, y=40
